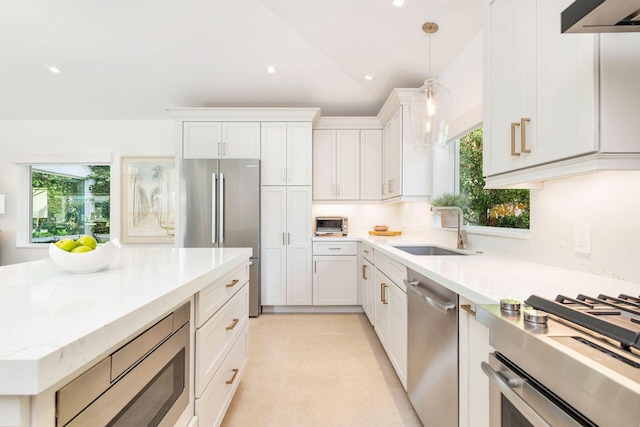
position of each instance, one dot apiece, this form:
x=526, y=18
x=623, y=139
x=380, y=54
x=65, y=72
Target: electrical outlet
x=582, y=239
x=363, y=222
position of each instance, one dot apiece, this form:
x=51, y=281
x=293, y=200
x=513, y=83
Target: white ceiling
x=132, y=59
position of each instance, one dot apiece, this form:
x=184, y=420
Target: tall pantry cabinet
x=286, y=216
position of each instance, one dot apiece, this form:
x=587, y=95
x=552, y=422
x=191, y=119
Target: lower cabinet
x=367, y=287
x=473, y=383
x=221, y=347
x=335, y=273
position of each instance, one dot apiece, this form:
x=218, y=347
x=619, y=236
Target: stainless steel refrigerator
x=220, y=207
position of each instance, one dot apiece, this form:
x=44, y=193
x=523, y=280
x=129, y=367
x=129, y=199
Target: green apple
x=66, y=244
x=86, y=240
x=81, y=249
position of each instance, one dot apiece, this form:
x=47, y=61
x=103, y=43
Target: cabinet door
x=324, y=165
x=367, y=284
x=381, y=307
x=347, y=164
x=241, y=140
x=397, y=342
x=335, y=280
x=564, y=85
x=299, y=249
x=201, y=140
x=474, y=349
x=273, y=241
x=273, y=144
x=299, y=162
x=504, y=65
x=370, y=164
x=392, y=157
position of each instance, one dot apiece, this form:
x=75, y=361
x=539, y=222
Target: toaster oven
x=331, y=226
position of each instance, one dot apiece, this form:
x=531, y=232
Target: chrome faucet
x=460, y=241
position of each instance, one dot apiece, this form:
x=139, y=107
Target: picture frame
x=147, y=201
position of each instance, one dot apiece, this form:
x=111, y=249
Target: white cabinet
x=216, y=140
x=286, y=153
x=286, y=245
x=221, y=351
x=370, y=164
x=381, y=307
x=407, y=170
x=473, y=384
x=555, y=104
x=336, y=164
x=367, y=281
x=335, y=269
x=397, y=340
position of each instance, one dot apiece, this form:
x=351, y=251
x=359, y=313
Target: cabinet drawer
x=395, y=270
x=214, y=339
x=335, y=248
x=210, y=299
x=212, y=406
x=367, y=252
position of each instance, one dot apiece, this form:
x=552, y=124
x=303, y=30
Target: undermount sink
x=427, y=250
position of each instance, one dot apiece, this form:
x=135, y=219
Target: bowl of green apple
x=83, y=255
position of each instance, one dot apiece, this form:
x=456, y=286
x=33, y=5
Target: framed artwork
x=148, y=199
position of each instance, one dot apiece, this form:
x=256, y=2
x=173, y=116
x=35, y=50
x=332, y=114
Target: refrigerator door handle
x=214, y=192
x=221, y=202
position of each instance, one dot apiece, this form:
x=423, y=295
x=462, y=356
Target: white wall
x=119, y=138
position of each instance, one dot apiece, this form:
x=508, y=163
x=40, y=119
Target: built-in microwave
x=331, y=226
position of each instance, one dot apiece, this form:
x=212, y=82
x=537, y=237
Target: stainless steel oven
x=144, y=383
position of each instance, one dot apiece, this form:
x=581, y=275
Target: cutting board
x=385, y=233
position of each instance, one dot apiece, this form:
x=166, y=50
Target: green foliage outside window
x=493, y=208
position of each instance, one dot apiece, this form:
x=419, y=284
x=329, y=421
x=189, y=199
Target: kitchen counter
x=54, y=322
x=485, y=279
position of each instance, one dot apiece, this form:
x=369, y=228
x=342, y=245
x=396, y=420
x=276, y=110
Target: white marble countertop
x=55, y=322
x=485, y=279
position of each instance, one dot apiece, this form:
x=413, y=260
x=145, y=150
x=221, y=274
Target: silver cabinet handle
x=288, y=238
x=505, y=386
x=219, y=145
x=283, y=241
x=444, y=307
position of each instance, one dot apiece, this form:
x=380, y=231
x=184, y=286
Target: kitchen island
x=56, y=324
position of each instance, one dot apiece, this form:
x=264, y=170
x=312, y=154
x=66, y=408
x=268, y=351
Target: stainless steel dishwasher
x=432, y=360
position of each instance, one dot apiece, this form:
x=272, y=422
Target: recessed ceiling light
x=369, y=77
x=398, y=3
x=271, y=70
x=53, y=69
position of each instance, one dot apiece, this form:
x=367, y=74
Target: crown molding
x=247, y=114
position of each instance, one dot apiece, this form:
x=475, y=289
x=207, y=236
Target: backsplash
x=604, y=201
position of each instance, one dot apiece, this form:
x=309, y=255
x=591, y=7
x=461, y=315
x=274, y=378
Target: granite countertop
x=55, y=322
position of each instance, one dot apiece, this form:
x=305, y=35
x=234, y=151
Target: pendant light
x=429, y=107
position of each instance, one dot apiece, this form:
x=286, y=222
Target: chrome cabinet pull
x=232, y=283
x=468, y=309
x=288, y=238
x=233, y=378
x=523, y=135
x=513, y=139
x=219, y=145
x=283, y=241
x=233, y=324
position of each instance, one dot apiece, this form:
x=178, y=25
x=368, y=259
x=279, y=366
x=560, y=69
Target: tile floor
x=318, y=370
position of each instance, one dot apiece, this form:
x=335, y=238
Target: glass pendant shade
x=429, y=109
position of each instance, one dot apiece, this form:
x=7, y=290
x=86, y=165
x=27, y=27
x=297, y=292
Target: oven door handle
x=505, y=385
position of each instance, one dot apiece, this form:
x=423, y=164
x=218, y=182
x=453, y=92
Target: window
x=68, y=201
x=488, y=208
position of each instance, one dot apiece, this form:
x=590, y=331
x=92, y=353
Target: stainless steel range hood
x=602, y=16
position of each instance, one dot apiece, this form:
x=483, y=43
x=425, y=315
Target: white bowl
x=85, y=262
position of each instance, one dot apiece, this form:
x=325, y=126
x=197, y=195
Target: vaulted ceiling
x=131, y=59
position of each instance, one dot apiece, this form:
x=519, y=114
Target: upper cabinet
x=347, y=156
x=407, y=171
x=217, y=140
x=286, y=153
x=550, y=98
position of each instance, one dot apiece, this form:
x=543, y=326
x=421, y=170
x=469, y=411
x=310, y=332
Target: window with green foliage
x=491, y=208
x=68, y=201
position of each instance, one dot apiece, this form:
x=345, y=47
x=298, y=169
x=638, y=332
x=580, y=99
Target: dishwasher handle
x=443, y=307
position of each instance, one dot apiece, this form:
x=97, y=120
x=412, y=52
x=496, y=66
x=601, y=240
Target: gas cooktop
x=586, y=349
